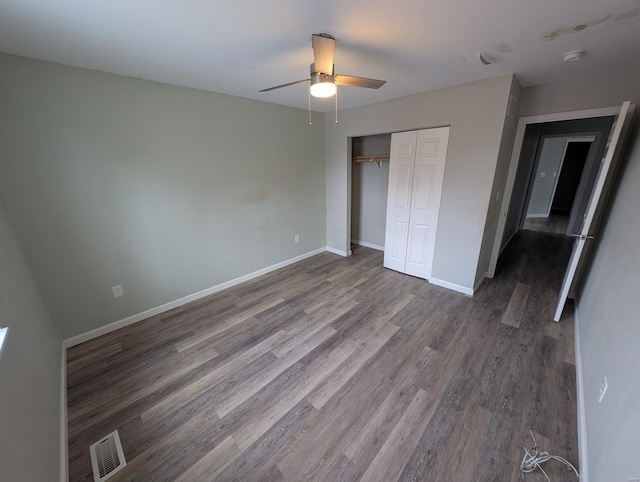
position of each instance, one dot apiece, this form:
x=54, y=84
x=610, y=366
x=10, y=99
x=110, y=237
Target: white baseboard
x=64, y=459
x=337, y=251
x=451, y=286
x=537, y=215
x=582, y=421
x=103, y=330
x=367, y=245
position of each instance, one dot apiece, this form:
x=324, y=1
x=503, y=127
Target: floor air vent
x=107, y=457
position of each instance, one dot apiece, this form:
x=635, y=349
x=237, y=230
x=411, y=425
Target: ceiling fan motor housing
x=319, y=77
x=313, y=71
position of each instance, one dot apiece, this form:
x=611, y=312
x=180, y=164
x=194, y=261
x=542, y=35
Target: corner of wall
x=582, y=421
x=494, y=204
x=64, y=439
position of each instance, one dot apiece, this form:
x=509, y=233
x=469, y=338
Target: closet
x=369, y=184
x=416, y=174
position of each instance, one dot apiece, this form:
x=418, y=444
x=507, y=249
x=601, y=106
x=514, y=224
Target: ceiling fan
x=324, y=80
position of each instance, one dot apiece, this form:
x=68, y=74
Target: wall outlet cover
x=117, y=291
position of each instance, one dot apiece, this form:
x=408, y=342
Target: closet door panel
x=419, y=226
x=418, y=235
x=401, y=167
x=431, y=153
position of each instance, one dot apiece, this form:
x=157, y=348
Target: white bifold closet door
x=416, y=173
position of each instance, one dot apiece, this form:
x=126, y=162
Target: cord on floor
x=534, y=458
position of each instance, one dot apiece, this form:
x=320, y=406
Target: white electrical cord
x=534, y=458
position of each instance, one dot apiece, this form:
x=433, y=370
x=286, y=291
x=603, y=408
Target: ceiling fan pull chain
x=309, y=93
x=336, y=105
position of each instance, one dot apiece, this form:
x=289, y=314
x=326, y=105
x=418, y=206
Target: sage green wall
x=476, y=114
x=607, y=304
x=166, y=190
x=29, y=372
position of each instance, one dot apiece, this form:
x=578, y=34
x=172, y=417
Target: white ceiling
x=239, y=46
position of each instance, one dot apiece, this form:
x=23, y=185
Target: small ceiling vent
x=107, y=457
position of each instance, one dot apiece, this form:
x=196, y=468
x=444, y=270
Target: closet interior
x=369, y=185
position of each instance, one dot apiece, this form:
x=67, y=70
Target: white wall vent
x=107, y=457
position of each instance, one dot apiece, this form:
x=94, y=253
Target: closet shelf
x=370, y=158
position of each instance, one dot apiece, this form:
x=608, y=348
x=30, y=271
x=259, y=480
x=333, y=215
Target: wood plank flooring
x=555, y=223
x=338, y=369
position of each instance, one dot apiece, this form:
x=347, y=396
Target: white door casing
x=431, y=152
x=401, y=165
x=594, y=208
x=416, y=175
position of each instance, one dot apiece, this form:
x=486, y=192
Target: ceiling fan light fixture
x=322, y=85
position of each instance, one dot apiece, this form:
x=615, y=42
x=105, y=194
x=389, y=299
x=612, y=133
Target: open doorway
x=571, y=170
x=542, y=152
x=560, y=167
x=596, y=182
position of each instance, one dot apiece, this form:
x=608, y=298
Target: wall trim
x=339, y=252
x=367, y=245
x=103, y=330
x=479, y=282
x=582, y=416
x=530, y=216
x=451, y=286
x=64, y=459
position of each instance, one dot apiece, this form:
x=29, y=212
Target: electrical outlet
x=296, y=238
x=117, y=291
x=603, y=390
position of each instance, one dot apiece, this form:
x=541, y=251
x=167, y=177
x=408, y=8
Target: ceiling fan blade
x=323, y=50
x=351, y=81
x=284, y=85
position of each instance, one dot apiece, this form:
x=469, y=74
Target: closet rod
x=370, y=158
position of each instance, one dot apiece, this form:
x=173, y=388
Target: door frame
x=523, y=123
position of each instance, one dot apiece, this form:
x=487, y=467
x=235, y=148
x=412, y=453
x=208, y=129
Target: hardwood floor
x=338, y=369
x=555, y=223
